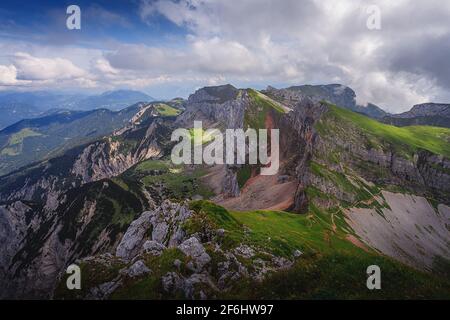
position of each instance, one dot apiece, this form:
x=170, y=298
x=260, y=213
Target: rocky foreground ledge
x=177, y=251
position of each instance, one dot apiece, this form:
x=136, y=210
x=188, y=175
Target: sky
x=170, y=48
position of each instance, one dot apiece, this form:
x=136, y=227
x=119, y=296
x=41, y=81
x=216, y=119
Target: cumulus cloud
x=34, y=68
x=104, y=67
x=8, y=75
x=31, y=71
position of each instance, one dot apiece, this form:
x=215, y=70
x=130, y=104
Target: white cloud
x=27, y=70
x=8, y=75
x=34, y=68
x=398, y=91
x=104, y=67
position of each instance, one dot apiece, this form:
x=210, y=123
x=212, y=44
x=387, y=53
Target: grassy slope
x=405, y=139
x=165, y=110
x=261, y=105
x=178, y=181
x=359, y=131
x=21, y=135
x=330, y=267
x=403, y=282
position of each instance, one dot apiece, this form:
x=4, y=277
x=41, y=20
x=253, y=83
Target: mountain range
x=352, y=191
x=33, y=140
x=339, y=95
x=433, y=114
x=16, y=106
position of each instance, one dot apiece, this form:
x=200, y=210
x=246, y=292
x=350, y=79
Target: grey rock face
x=48, y=186
x=103, y=291
x=101, y=160
x=194, y=249
x=195, y=280
x=167, y=221
x=421, y=172
x=13, y=229
x=230, y=183
x=298, y=141
x=93, y=162
x=153, y=247
x=426, y=109
x=337, y=94
x=171, y=282
x=133, y=238
x=222, y=104
x=137, y=269
x=435, y=171
x=160, y=231
x=166, y=225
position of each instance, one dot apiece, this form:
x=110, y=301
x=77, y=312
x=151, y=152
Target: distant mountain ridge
x=15, y=112
x=339, y=95
x=433, y=114
x=15, y=106
x=31, y=140
x=114, y=100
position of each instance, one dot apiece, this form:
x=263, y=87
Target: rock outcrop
x=197, y=264
x=165, y=225
x=224, y=105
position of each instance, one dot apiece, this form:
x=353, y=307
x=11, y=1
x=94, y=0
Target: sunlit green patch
x=178, y=181
x=18, y=137
x=15, y=141
x=166, y=111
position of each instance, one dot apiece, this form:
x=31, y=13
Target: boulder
x=134, y=237
x=153, y=247
x=172, y=282
x=194, y=249
x=137, y=269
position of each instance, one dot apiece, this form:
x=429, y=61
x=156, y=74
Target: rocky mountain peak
x=334, y=93
x=337, y=94
x=435, y=114
x=427, y=109
x=214, y=94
